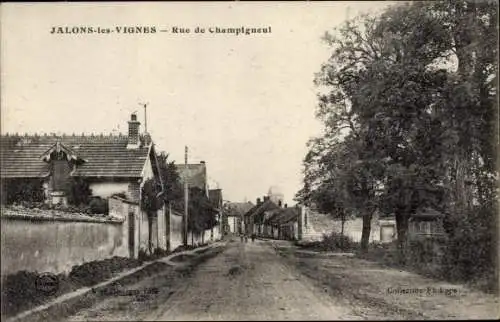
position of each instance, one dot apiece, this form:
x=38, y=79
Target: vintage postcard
x=249, y=160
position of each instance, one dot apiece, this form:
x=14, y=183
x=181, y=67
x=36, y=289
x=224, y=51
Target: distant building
x=276, y=195
x=196, y=175
x=234, y=216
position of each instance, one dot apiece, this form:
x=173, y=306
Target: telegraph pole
x=186, y=196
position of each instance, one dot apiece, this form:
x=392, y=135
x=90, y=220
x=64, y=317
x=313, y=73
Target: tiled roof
x=251, y=211
x=270, y=215
x=284, y=215
x=104, y=156
x=196, y=174
x=427, y=213
x=260, y=209
x=239, y=208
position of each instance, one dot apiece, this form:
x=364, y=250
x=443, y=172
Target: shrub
x=143, y=256
x=425, y=255
x=23, y=190
x=98, y=206
x=19, y=289
x=79, y=191
x=159, y=253
x=471, y=250
x=335, y=241
x=94, y=272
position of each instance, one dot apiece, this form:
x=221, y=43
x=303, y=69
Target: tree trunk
x=402, y=229
x=365, y=233
x=342, y=217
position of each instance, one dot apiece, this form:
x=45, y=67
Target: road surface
x=247, y=281
x=273, y=280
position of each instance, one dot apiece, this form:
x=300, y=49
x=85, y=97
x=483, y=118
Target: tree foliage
x=408, y=102
x=201, y=213
x=172, y=185
x=79, y=191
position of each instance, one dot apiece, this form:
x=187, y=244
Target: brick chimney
x=279, y=203
x=133, y=132
x=258, y=201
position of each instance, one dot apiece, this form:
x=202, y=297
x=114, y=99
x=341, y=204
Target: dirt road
x=245, y=281
x=374, y=292
x=248, y=281
x=257, y=281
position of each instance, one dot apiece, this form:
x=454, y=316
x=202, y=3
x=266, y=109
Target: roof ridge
x=52, y=134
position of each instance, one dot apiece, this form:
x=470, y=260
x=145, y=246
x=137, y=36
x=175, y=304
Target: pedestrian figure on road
x=246, y=238
x=253, y=237
x=241, y=237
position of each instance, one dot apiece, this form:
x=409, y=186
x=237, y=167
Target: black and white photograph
x=233, y=160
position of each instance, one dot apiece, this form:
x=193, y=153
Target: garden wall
x=46, y=241
x=354, y=228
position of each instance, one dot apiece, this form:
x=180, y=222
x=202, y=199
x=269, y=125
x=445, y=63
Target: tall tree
x=414, y=90
x=173, y=192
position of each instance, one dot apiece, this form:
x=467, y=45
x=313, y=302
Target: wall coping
x=124, y=200
x=67, y=217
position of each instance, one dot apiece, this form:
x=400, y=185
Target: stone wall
x=54, y=242
x=354, y=227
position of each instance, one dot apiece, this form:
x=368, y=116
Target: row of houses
x=40, y=168
x=271, y=218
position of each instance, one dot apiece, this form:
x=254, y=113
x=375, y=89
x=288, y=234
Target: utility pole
x=186, y=196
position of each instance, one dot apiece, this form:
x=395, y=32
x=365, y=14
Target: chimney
x=202, y=162
x=279, y=203
x=286, y=205
x=266, y=198
x=133, y=131
x=258, y=201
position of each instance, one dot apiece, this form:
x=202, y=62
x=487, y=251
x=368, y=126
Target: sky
x=244, y=104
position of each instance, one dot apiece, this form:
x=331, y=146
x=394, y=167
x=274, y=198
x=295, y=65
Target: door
x=386, y=233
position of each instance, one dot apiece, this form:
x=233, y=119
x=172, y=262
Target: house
x=254, y=218
x=110, y=164
x=195, y=174
x=233, y=216
x=46, y=168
